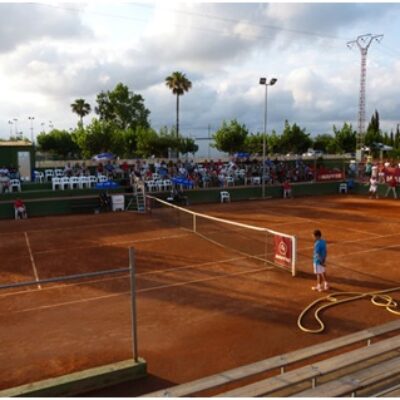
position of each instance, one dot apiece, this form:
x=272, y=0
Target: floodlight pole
x=32, y=137
x=363, y=42
x=263, y=81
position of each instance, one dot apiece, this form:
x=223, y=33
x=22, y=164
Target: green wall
x=9, y=155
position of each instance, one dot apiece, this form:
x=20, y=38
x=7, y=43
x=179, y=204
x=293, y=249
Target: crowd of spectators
x=382, y=171
x=219, y=174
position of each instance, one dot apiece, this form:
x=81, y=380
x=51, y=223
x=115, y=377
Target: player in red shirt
x=287, y=189
x=20, y=209
x=392, y=183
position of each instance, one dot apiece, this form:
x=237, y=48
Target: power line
x=208, y=16
x=250, y=23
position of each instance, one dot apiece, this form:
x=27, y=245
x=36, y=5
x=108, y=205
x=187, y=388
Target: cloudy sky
x=53, y=53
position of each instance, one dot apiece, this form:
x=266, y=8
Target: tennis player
x=373, y=187
x=320, y=253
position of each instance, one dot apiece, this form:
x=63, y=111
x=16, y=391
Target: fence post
x=133, y=304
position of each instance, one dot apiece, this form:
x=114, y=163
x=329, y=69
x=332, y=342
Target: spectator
x=287, y=189
x=392, y=183
x=4, y=183
x=20, y=209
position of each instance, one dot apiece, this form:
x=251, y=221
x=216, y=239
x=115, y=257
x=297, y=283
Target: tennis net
x=262, y=244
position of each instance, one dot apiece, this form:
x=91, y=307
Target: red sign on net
x=283, y=251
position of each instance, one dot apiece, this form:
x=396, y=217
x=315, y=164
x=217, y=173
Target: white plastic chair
x=74, y=182
x=343, y=188
x=58, y=173
x=167, y=184
x=64, y=182
x=15, y=183
x=39, y=176
x=56, y=183
x=92, y=181
x=230, y=181
x=84, y=182
x=102, y=179
x=225, y=196
x=256, y=180
x=160, y=185
x=49, y=174
x=151, y=186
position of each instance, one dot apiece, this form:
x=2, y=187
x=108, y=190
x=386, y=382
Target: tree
x=397, y=137
x=373, y=134
x=274, y=142
x=99, y=137
x=231, y=137
x=59, y=143
x=179, y=84
x=325, y=143
x=295, y=140
x=81, y=108
x=122, y=107
x=345, y=138
x=253, y=144
x=187, y=145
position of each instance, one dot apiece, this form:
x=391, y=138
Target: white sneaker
x=317, y=288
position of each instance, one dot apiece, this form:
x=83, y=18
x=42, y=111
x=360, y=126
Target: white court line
x=354, y=241
x=367, y=251
x=80, y=301
x=68, y=228
x=319, y=222
x=139, y=275
x=113, y=243
x=35, y=273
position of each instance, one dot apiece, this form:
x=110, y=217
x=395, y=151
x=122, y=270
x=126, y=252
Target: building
x=20, y=154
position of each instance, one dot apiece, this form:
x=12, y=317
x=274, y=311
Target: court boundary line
x=139, y=275
x=35, y=272
x=70, y=227
x=305, y=219
x=177, y=284
x=367, y=251
x=355, y=241
x=89, y=246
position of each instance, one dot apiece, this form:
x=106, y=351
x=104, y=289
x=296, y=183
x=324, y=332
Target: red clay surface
x=202, y=308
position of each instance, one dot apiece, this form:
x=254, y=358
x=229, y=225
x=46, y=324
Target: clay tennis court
x=202, y=308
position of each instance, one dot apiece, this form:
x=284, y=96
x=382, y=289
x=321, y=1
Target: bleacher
x=365, y=363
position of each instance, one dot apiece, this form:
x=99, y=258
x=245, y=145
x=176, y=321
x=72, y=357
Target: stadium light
x=31, y=121
x=263, y=81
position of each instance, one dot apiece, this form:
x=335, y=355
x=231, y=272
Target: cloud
x=26, y=22
x=222, y=48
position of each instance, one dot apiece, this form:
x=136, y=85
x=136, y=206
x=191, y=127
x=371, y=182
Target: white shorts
x=318, y=269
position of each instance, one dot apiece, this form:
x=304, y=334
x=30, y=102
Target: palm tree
x=81, y=108
x=179, y=84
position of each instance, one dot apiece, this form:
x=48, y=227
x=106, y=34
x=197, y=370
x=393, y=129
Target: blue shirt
x=320, y=251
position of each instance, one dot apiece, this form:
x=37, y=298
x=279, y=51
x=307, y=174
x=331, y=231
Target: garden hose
x=378, y=298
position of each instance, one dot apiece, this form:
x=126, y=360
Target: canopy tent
x=103, y=157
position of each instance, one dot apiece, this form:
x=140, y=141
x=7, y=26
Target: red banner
x=283, y=251
x=330, y=176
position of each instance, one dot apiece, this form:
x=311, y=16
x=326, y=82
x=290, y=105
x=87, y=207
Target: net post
x=194, y=223
x=133, y=304
x=294, y=255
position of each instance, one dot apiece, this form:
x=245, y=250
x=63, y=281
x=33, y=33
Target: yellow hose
x=379, y=298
